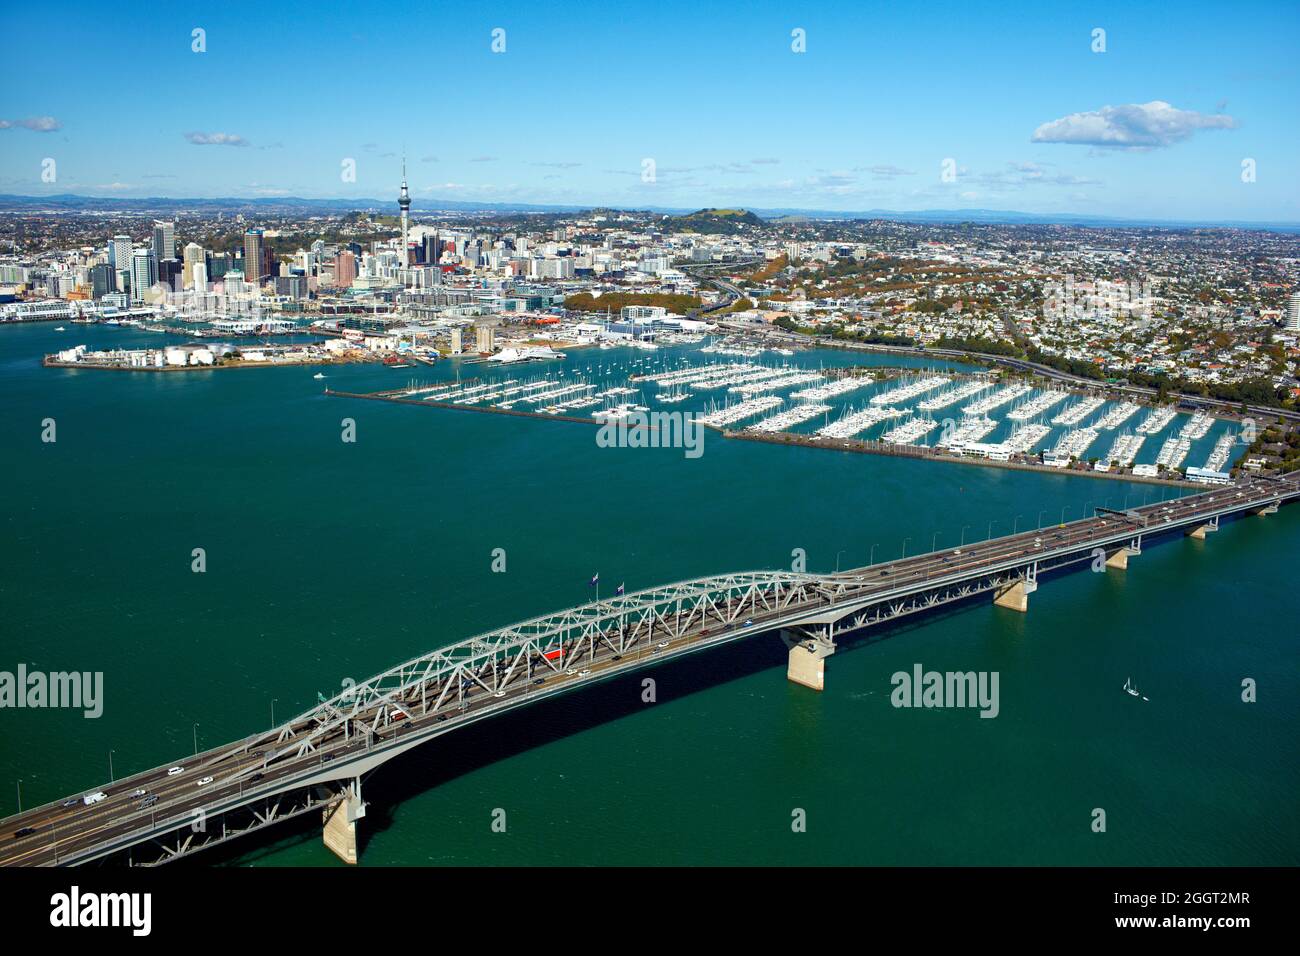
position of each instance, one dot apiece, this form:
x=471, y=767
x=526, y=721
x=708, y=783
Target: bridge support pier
x=808, y=653
x=1201, y=530
x=1265, y=510
x=1119, y=560
x=1015, y=596
x=341, y=824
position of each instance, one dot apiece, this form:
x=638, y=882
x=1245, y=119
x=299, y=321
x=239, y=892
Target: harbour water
x=329, y=560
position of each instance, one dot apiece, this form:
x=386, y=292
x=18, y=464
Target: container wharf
x=49, y=362
x=930, y=453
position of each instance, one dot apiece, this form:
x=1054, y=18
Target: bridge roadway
x=316, y=753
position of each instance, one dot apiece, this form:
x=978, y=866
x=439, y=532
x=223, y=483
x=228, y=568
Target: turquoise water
x=329, y=560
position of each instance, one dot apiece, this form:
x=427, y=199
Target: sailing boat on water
x=1131, y=690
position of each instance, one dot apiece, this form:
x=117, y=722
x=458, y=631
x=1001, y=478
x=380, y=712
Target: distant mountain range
x=69, y=202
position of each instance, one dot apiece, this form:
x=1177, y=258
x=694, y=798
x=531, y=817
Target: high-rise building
x=101, y=280
x=169, y=274
x=432, y=249
x=345, y=269
x=1293, y=313
x=144, y=273
x=164, y=240
x=219, y=263
x=193, y=257
x=485, y=338
x=119, y=255
x=254, y=256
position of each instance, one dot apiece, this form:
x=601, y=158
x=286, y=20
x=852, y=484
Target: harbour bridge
x=315, y=762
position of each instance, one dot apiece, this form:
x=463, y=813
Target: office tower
x=254, y=256
x=164, y=241
x=1293, y=313
x=144, y=273
x=169, y=274
x=119, y=256
x=193, y=257
x=101, y=280
x=432, y=249
x=219, y=263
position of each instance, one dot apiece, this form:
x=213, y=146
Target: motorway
x=246, y=771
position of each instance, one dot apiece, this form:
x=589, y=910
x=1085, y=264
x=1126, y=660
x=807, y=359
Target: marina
x=1117, y=416
x=1074, y=444
x=1003, y=396
x=910, y=431
x=954, y=395
x=1077, y=412
x=1036, y=406
x=790, y=417
x=1157, y=420
x=910, y=390
x=1197, y=427
x=1122, y=451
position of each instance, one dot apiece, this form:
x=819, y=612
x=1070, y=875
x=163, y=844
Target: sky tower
x=404, y=201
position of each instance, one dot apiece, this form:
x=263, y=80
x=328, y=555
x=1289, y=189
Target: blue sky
x=1157, y=126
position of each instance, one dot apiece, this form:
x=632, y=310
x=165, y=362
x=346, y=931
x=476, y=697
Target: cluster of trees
x=979, y=344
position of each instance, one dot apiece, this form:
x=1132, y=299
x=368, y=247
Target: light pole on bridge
x=273, y=700
x=963, y=535
x=905, y=540
x=111, y=778
x=196, y=740
x=837, y=559
x=1040, y=519
x=990, y=536
x=20, y=795
x=1064, y=509
x=934, y=542
x=872, y=559
x=1015, y=525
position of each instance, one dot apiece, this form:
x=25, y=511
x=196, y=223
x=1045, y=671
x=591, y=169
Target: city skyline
x=934, y=109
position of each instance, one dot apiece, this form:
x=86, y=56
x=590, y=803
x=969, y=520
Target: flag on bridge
x=595, y=579
x=618, y=590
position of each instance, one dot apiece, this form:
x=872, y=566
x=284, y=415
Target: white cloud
x=216, y=139
x=1132, y=126
x=37, y=124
